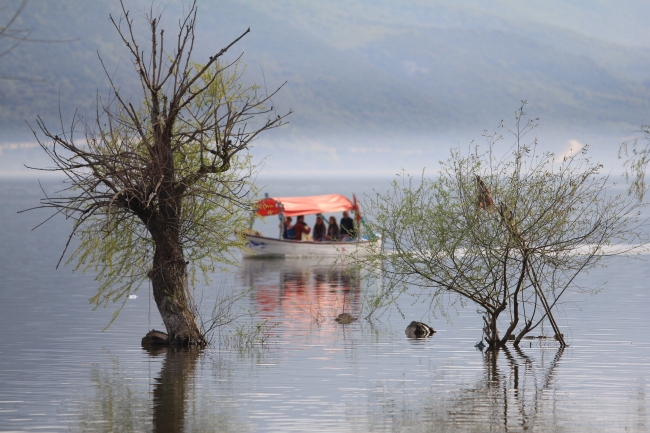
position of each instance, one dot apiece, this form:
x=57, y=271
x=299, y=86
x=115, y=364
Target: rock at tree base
x=419, y=330
x=155, y=338
x=345, y=318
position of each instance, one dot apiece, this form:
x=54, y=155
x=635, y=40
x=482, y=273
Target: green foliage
x=637, y=154
x=224, y=88
x=165, y=183
x=501, y=227
x=249, y=335
x=116, y=243
x=119, y=248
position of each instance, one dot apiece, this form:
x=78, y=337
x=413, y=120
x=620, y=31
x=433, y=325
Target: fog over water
x=60, y=372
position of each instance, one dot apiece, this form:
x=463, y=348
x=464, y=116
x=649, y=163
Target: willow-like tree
x=507, y=228
x=636, y=152
x=164, y=182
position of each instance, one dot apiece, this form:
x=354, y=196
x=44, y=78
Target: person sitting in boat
x=332, y=230
x=319, y=229
x=348, y=231
x=300, y=228
x=288, y=232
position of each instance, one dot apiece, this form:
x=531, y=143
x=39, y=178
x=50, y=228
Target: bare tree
x=508, y=233
x=162, y=183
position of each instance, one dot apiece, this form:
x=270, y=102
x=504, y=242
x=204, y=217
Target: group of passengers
x=332, y=232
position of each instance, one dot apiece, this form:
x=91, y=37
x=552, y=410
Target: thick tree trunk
x=171, y=292
x=169, y=272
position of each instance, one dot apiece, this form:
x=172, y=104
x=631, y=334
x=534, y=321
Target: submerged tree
x=508, y=233
x=164, y=182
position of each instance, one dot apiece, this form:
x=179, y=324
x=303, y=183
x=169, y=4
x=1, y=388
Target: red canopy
x=294, y=206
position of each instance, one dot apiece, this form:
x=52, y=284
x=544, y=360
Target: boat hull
x=261, y=246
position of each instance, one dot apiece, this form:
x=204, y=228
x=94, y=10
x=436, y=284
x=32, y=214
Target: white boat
x=261, y=246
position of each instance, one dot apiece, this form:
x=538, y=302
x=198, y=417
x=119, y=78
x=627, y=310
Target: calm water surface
x=59, y=372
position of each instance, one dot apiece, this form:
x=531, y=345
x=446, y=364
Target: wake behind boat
x=262, y=246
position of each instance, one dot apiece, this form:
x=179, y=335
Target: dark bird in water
x=345, y=318
x=419, y=330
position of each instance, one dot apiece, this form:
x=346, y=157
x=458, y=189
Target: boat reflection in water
x=306, y=290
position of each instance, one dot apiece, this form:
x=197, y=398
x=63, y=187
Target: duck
x=419, y=330
x=345, y=318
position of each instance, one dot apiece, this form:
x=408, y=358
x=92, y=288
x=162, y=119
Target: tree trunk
x=170, y=290
x=490, y=329
x=522, y=333
x=169, y=272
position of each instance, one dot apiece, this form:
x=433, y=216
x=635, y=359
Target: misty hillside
x=361, y=68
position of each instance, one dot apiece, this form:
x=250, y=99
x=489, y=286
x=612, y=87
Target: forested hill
x=360, y=67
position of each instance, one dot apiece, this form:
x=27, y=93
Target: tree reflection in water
x=118, y=405
x=515, y=393
x=358, y=377
x=182, y=405
x=172, y=402
x=170, y=391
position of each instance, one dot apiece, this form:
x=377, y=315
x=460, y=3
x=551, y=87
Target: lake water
x=59, y=372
